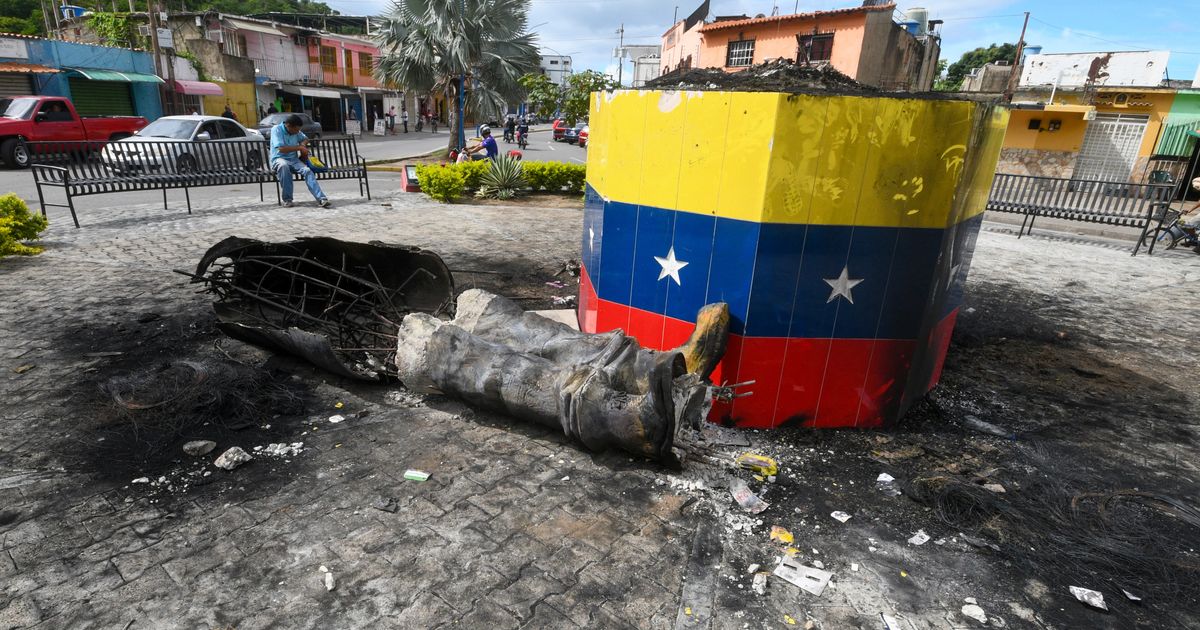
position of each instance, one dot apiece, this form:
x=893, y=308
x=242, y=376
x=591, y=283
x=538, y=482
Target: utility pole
x=675, y=20
x=621, y=55
x=1015, y=75
x=152, y=10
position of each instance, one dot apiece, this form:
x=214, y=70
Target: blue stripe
x=772, y=275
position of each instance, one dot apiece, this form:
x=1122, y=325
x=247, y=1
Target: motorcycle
x=522, y=141
x=508, y=135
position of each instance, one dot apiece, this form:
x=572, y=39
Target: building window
x=329, y=57
x=365, y=64
x=816, y=47
x=740, y=53
x=554, y=62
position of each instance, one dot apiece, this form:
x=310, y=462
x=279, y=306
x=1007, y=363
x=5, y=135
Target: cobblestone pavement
x=515, y=528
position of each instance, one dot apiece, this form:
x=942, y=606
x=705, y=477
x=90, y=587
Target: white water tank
x=920, y=15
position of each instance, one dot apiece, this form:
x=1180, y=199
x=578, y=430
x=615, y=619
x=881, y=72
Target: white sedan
x=187, y=144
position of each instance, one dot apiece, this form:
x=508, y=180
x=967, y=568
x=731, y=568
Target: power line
x=1109, y=41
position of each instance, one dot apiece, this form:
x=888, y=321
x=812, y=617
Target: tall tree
x=426, y=45
x=578, y=93
x=541, y=93
x=971, y=60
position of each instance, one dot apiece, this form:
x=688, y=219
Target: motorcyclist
x=509, y=126
x=523, y=132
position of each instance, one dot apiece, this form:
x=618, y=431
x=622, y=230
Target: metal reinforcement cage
x=839, y=228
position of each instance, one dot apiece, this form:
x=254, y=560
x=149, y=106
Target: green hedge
x=447, y=182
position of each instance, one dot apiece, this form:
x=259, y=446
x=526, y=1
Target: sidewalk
x=517, y=528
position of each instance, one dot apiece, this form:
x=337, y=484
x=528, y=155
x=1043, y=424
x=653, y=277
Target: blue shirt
x=489, y=145
x=281, y=138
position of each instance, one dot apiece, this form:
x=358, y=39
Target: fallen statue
x=603, y=390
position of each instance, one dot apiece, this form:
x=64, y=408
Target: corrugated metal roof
x=12, y=66
x=772, y=19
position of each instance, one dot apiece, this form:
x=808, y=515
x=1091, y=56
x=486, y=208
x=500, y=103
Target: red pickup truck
x=26, y=119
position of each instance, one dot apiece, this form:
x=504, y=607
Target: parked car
x=308, y=126
x=571, y=135
x=182, y=144
x=583, y=137
x=37, y=119
x=559, y=127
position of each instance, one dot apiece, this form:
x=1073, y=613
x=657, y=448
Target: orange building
x=866, y=43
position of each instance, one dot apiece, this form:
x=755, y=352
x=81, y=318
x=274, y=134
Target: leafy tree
x=577, y=96
x=23, y=17
x=426, y=45
x=541, y=93
x=971, y=60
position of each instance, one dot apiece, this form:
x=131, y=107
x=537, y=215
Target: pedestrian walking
x=404, y=119
x=228, y=113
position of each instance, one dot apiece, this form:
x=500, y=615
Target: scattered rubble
x=1095, y=599
x=919, y=538
x=781, y=75
x=746, y=498
x=416, y=475
x=973, y=611
x=282, y=450
x=197, y=448
x=886, y=484
x=385, y=504
x=840, y=516
x=810, y=579
x=232, y=458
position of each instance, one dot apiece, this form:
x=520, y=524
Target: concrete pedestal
x=838, y=228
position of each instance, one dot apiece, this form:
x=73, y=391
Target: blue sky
x=586, y=29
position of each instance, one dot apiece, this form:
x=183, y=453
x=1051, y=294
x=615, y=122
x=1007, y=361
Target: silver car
x=187, y=144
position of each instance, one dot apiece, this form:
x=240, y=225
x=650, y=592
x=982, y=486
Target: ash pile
x=771, y=76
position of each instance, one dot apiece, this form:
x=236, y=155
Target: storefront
x=323, y=104
x=20, y=79
x=189, y=95
x=97, y=92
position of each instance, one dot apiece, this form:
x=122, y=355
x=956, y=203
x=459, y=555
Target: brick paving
x=516, y=528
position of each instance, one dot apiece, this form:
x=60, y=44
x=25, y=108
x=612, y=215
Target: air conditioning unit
x=215, y=35
x=144, y=30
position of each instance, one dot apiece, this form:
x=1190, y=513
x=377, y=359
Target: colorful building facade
x=838, y=229
x=863, y=42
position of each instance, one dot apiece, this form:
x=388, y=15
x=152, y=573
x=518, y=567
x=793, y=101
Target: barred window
x=740, y=53
x=816, y=47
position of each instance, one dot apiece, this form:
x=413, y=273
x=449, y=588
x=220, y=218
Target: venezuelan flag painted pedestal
x=839, y=229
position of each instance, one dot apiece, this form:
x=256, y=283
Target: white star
x=591, y=239
x=841, y=286
x=670, y=266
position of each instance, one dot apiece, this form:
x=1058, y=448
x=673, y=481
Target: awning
x=112, y=75
x=198, y=87
x=311, y=92
x=12, y=66
x=246, y=25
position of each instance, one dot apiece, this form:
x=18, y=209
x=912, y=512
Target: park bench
x=1090, y=201
x=86, y=168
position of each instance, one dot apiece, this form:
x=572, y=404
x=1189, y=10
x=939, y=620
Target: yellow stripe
x=820, y=159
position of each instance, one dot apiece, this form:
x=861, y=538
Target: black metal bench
x=342, y=161
x=84, y=168
x=1090, y=201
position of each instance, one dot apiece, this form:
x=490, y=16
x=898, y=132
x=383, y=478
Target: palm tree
x=426, y=45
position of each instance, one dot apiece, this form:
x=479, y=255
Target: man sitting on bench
x=289, y=154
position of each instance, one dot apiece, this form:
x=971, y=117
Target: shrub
x=473, y=173
x=443, y=183
x=555, y=176
x=18, y=224
x=503, y=179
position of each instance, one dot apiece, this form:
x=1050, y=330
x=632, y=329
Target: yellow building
x=241, y=99
x=1108, y=134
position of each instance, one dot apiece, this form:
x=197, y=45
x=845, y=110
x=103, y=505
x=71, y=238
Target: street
x=371, y=148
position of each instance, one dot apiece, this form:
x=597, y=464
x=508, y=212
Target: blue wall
x=58, y=54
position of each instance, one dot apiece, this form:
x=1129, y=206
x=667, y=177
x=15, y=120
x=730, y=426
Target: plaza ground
x=1071, y=377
